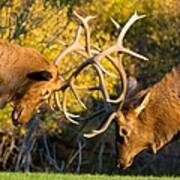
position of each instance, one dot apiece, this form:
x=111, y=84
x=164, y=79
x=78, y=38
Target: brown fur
x=153, y=124
x=26, y=94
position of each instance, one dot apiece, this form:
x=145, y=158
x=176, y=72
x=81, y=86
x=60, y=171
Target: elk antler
x=117, y=47
x=93, y=58
x=75, y=46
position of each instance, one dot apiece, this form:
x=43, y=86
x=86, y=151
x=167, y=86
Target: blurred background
x=49, y=26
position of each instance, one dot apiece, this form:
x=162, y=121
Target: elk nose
x=118, y=165
x=121, y=166
x=15, y=116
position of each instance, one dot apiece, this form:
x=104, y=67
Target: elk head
x=27, y=80
x=132, y=134
x=43, y=84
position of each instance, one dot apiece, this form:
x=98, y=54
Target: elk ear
x=143, y=104
x=135, y=100
x=40, y=76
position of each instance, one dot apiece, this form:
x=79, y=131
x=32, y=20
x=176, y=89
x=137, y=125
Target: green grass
x=46, y=176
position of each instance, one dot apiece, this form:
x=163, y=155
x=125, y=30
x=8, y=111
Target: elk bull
x=149, y=125
x=153, y=123
x=26, y=79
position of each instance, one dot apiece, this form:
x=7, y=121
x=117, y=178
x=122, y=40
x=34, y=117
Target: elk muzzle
x=124, y=158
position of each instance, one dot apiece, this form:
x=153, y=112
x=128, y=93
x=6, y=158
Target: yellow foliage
x=49, y=29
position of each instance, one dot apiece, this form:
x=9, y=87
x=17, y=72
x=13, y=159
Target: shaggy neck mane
x=161, y=117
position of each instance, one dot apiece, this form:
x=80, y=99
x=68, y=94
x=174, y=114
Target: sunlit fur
x=155, y=125
x=25, y=94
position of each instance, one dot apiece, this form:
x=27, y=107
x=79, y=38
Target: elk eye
x=46, y=93
x=124, y=132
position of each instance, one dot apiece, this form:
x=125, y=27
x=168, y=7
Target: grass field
x=46, y=176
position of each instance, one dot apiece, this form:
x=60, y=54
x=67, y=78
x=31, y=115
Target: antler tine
x=68, y=115
x=75, y=44
x=107, y=72
x=57, y=100
x=72, y=47
x=98, y=50
x=124, y=30
x=69, y=84
x=76, y=95
x=120, y=68
x=118, y=46
x=103, y=128
x=102, y=85
x=132, y=53
x=116, y=24
x=84, y=22
x=122, y=34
